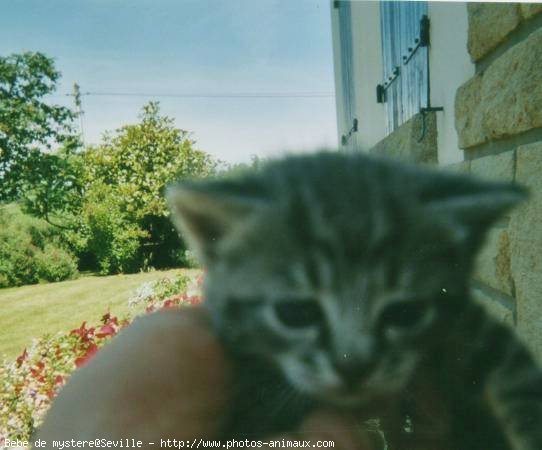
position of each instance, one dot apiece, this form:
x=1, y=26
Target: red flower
x=36, y=372
x=113, y=320
x=59, y=379
x=106, y=330
x=83, y=332
x=91, y=351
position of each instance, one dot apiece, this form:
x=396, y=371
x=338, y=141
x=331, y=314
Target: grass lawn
x=31, y=311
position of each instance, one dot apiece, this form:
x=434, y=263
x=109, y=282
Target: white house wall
x=449, y=66
x=368, y=68
x=367, y=63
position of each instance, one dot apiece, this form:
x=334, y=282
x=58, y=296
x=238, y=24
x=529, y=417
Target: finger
x=165, y=376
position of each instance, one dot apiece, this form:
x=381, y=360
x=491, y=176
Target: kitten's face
x=340, y=322
x=344, y=285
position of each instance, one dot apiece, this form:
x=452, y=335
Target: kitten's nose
x=354, y=358
x=352, y=370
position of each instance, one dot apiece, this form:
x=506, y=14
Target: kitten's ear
x=472, y=206
x=206, y=212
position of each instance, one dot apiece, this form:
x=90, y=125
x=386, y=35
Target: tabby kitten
x=343, y=280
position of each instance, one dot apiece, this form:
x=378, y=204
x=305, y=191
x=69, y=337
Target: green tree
x=28, y=124
x=54, y=189
x=128, y=172
x=139, y=160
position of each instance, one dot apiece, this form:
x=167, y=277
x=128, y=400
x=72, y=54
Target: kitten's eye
x=404, y=314
x=298, y=313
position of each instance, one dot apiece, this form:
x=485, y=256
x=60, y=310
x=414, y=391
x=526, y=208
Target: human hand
x=164, y=377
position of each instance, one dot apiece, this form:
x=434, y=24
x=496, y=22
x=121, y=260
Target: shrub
x=54, y=264
x=155, y=291
x=30, y=250
x=16, y=252
x=112, y=238
x=28, y=384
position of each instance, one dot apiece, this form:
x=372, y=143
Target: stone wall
x=415, y=141
x=498, y=116
x=498, y=119
x=505, y=99
x=490, y=24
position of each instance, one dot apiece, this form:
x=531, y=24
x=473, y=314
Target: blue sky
x=191, y=46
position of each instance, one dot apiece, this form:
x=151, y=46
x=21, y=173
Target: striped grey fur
x=343, y=280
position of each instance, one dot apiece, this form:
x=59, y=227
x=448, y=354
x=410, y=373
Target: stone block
x=494, y=167
x=493, y=262
x=469, y=114
x=512, y=90
x=506, y=99
x=489, y=24
x=415, y=141
x=493, y=307
x=525, y=231
x=529, y=10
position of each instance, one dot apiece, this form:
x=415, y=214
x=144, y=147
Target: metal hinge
x=424, y=31
x=354, y=129
x=382, y=88
x=421, y=41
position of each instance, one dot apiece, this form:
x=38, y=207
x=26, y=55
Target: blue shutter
x=406, y=69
